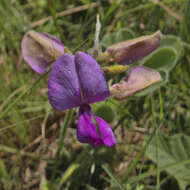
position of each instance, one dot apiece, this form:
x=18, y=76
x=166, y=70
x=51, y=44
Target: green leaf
x=3, y=170
x=44, y=184
x=171, y=150
x=122, y=35
x=113, y=178
x=185, y=25
x=164, y=58
x=173, y=42
x=154, y=20
x=108, y=39
x=106, y=112
x=5, y=178
x=89, y=187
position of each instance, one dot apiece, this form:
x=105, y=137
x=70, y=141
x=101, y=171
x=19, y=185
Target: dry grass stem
x=63, y=13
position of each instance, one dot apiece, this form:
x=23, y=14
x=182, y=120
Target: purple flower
x=77, y=81
x=40, y=50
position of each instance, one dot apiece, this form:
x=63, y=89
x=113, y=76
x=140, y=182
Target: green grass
x=38, y=145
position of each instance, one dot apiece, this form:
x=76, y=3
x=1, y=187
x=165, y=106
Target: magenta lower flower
x=87, y=131
x=77, y=81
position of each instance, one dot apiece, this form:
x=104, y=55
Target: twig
x=113, y=23
x=5, y=102
x=186, y=45
x=43, y=127
x=23, y=153
x=31, y=183
x=37, y=140
x=63, y=13
x=141, y=130
x=20, y=58
x=4, y=65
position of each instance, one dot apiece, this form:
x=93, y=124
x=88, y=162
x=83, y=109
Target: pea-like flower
x=78, y=81
x=75, y=81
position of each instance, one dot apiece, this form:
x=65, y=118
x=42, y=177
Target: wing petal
x=64, y=91
x=93, y=85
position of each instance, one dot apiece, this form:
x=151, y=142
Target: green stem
x=53, y=14
x=10, y=150
x=157, y=156
x=117, y=183
x=74, y=166
x=60, y=144
x=161, y=105
x=63, y=130
x=149, y=5
x=138, y=157
x=164, y=168
x=11, y=105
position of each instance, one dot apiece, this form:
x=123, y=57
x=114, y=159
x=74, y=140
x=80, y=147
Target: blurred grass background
x=30, y=128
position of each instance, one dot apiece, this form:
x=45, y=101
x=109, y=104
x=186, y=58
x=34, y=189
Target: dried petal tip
x=40, y=50
x=138, y=79
x=133, y=50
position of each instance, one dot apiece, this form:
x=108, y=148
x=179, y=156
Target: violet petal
x=64, y=91
x=106, y=132
x=94, y=87
x=40, y=50
x=87, y=131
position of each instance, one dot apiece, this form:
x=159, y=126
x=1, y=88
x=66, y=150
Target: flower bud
x=139, y=78
x=133, y=50
x=115, y=69
x=40, y=50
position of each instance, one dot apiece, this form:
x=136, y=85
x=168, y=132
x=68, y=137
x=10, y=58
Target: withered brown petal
x=40, y=50
x=139, y=78
x=129, y=51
